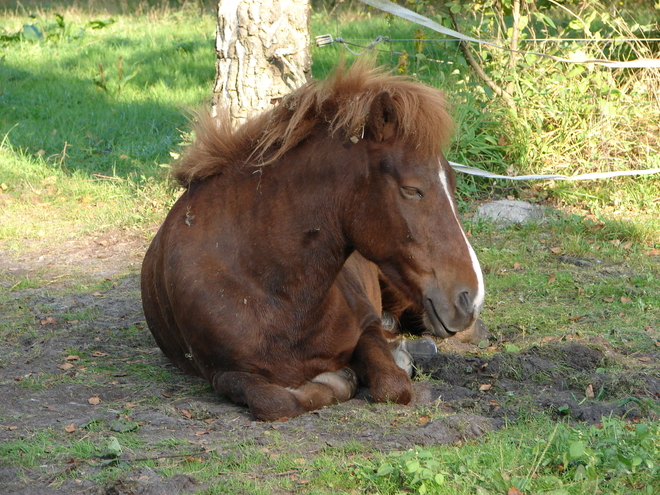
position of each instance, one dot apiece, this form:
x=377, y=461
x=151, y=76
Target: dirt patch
x=79, y=367
x=103, y=255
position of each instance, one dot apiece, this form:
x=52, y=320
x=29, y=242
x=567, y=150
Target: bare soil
x=82, y=359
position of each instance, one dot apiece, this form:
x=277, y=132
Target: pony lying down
x=265, y=277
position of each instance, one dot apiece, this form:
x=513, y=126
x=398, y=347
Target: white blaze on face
x=479, y=298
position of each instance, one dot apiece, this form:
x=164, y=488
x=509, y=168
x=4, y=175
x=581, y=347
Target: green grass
x=89, y=120
x=617, y=297
x=534, y=457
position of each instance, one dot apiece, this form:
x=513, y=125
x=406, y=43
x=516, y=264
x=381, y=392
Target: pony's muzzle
x=446, y=316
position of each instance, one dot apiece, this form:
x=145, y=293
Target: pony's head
x=403, y=215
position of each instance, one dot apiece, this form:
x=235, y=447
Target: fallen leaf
x=65, y=366
x=552, y=278
x=514, y=491
x=644, y=359
x=547, y=339
x=199, y=433
x=70, y=428
x=574, y=318
x=130, y=404
x=589, y=392
x=653, y=252
x=517, y=266
x=94, y=400
x=48, y=320
x=12, y=428
x=185, y=413
x=71, y=357
x=485, y=387
x=608, y=299
x=556, y=250
x=99, y=354
x=165, y=394
x=627, y=245
x=423, y=420
x=615, y=242
x=626, y=300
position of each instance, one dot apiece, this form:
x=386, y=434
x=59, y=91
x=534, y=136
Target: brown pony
x=264, y=277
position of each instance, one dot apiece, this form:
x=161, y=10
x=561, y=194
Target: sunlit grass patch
x=89, y=121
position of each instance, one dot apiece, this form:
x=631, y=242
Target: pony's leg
x=374, y=364
x=268, y=401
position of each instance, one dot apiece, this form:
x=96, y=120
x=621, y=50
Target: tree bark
x=262, y=53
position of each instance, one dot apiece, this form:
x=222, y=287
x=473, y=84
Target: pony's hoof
x=402, y=357
x=423, y=347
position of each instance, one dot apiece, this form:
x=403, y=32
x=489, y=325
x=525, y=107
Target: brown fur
x=341, y=103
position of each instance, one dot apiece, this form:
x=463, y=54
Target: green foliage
x=610, y=449
x=613, y=457
x=416, y=469
x=53, y=30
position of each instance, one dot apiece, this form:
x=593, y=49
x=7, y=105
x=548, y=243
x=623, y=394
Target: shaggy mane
x=341, y=103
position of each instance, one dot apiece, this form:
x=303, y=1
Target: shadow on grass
x=107, y=104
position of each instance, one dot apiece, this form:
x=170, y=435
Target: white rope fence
x=397, y=10
x=596, y=175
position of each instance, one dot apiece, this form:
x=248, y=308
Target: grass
x=534, y=457
x=89, y=115
x=528, y=283
x=89, y=120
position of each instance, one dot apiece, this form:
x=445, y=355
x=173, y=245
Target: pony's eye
x=411, y=193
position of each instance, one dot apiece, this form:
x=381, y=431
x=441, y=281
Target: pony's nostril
x=465, y=303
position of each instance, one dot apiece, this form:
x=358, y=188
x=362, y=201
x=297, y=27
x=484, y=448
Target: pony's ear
x=382, y=121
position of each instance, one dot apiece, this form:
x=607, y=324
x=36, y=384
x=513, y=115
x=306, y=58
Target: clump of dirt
x=80, y=365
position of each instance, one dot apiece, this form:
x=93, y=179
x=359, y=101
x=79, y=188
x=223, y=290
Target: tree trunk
x=263, y=53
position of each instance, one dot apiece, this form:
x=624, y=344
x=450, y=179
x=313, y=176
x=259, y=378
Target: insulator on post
x=324, y=40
